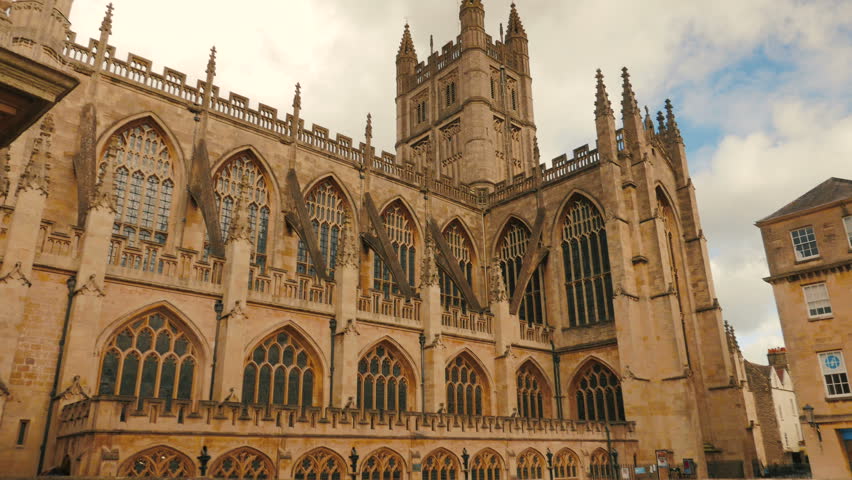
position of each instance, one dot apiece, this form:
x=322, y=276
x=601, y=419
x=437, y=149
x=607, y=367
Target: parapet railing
x=164, y=417
x=390, y=308
x=467, y=321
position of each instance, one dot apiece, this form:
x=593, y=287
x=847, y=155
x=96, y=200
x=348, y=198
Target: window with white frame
x=816, y=296
x=847, y=222
x=804, y=241
x=834, y=373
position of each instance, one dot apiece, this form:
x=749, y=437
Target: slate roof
x=826, y=192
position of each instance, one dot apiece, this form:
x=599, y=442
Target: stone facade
x=809, y=251
x=197, y=272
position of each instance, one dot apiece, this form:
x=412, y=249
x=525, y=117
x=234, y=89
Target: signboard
x=625, y=473
x=688, y=466
x=662, y=459
x=639, y=470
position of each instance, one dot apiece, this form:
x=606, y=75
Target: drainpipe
x=332, y=325
x=218, y=307
x=422, y=372
x=557, y=381
x=72, y=284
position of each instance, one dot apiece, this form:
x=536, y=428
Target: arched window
x=227, y=184
x=533, y=394
x=510, y=253
x=160, y=462
x=150, y=357
x=281, y=371
x=144, y=183
x=320, y=464
x=383, y=464
x=462, y=249
x=400, y=229
x=384, y=380
x=566, y=465
x=486, y=465
x=588, y=281
x=598, y=394
x=440, y=464
x=531, y=465
x=599, y=465
x=327, y=209
x=243, y=464
x=465, y=387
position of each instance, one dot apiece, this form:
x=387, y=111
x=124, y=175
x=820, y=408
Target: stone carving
x=91, y=287
x=4, y=390
x=109, y=455
x=15, y=275
x=347, y=251
x=232, y=397
x=351, y=327
x=496, y=285
x=438, y=342
x=104, y=195
x=35, y=176
x=237, y=311
x=429, y=268
x=74, y=392
x=350, y=404
x=5, y=161
x=240, y=228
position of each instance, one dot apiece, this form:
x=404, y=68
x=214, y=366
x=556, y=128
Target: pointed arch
x=106, y=135
x=456, y=219
x=487, y=464
x=283, y=369
x=510, y=250
x=145, y=183
x=386, y=379
x=402, y=351
x=246, y=163
x=468, y=385
x=383, y=464
x=566, y=465
x=533, y=390
x=152, y=355
x=586, y=263
x=244, y=463
x=328, y=209
x=160, y=461
x=531, y=465
x=440, y=464
x=600, y=466
x=595, y=391
x=320, y=464
x=663, y=197
x=404, y=234
x=463, y=248
x=559, y=212
x=504, y=226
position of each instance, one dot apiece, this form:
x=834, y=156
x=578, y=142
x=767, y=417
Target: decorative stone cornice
x=91, y=287
x=16, y=274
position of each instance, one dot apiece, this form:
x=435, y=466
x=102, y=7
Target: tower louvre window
x=514, y=99
x=450, y=93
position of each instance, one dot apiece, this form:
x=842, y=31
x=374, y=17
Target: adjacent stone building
x=809, y=250
x=182, y=269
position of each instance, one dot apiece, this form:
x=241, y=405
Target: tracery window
x=144, y=183
x=440, y=465
x=384, y=380
x=462, y=249
x=328, y=210
x=531, y=391
x=465, y=387
x=531, y=465
x=243, y=464
x=510, y=253
x=320, y=464
x=399, y=226
x=280, y=371
x=599, y=465
x=588, y=281
x=486, y=465
x=598, y=395
x=149, y=357
x=566, y=465
x=160, y=462
x=383, y=464
x=227, y=184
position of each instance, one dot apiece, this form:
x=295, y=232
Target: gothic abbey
x=181, y=270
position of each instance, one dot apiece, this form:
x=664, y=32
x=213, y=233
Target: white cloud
x=784, y=121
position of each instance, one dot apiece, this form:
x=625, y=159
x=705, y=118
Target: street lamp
x=353, y=461
x=809, y=416
x=550, y=463
x=465, y=458
x=202, y=460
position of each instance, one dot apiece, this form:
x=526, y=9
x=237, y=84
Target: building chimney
x=777, y=357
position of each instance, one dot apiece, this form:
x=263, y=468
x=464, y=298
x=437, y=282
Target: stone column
x=346, y=345
x=230, y=348
x=430, y=314
x=506, y=333
x=21, y=241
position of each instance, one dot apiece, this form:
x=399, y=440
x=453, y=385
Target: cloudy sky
x=761, y=88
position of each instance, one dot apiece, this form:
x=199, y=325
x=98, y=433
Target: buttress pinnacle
x=603, y=107
x=515, y=26
x=211, y=62
x=674, y=131
x=106, y=24
x=406, y=46
x=628, y=98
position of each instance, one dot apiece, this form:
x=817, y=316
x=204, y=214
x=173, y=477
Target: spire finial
x=649, y=124
x=603, y=107
x=211, y=62
x=106, y=23
x=628, y=101
x=368, y=132
x=515, y=26
x=661, y=123
x=297, y=97
x=406, y=45
x=431, y=44
x=674, y=131
x=502, y=39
